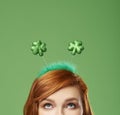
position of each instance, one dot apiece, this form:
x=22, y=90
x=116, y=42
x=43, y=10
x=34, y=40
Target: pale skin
x=66, y=101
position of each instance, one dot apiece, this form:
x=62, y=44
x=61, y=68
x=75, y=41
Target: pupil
x=71, y=105
x=48, y=105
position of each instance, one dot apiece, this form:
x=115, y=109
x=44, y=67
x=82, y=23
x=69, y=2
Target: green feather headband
x=58, y=66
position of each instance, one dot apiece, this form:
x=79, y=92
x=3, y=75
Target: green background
x=58, y=22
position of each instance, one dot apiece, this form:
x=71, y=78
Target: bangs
x=53, y=81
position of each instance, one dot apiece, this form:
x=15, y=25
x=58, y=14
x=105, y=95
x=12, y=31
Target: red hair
x=51, y=82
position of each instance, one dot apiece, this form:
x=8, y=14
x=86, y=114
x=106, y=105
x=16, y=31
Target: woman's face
x=66, y=101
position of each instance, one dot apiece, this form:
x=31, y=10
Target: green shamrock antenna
x=76, y=47
x=38, y=48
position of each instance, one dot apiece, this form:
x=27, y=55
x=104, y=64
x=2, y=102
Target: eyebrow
x=72, y=99
x=69, y=99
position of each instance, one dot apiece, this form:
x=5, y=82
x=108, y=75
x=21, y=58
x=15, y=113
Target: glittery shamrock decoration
x=76, y=47
x=38, y=48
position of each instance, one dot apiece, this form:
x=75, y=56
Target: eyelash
x=47, y=106
x=68, y=106
x=71, y=106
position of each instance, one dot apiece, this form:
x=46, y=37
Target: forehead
x=66, y=93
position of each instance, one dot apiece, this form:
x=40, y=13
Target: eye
x=48, y=106
x=71, y=106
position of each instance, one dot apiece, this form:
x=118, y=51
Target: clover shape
x=76, y=47
x=38, y=48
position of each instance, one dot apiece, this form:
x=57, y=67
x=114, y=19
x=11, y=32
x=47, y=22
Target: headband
x=58, y=66
x=39, y=47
